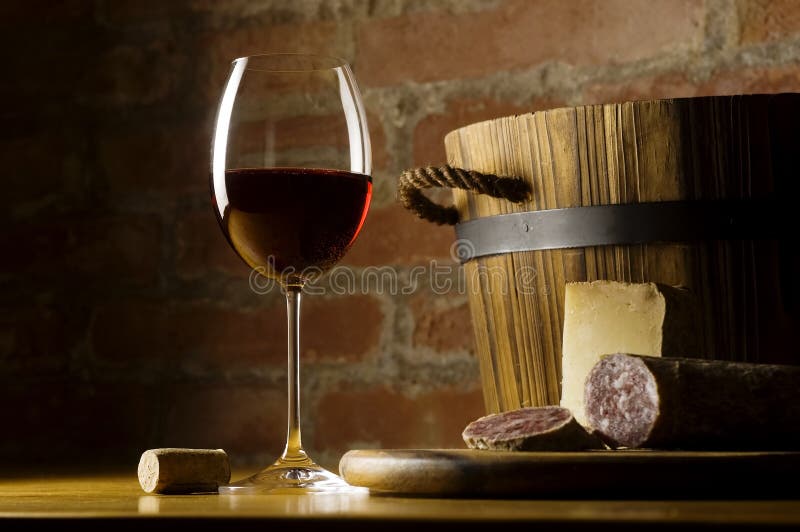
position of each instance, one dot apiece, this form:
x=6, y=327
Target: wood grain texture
x=648, y=151
x=52, y=501
x=588, y=474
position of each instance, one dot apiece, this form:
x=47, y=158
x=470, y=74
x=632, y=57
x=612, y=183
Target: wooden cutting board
x=588, y=474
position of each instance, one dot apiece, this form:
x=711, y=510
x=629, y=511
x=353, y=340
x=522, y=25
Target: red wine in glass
x=292, y=224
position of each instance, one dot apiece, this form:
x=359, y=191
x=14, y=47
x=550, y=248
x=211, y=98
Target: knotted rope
x=412, y=182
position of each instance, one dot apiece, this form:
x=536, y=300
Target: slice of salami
x=545, y=428
x=678, y=403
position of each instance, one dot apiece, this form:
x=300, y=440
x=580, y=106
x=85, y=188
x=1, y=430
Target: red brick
x=206, y=336
x=340, y=329
x=224, y=46
x=785, y=78
x=384, y=418
x=394, y=236
x=521, y=34
x=431, y=130
x=115, y=250
x=123, y=247
x=143, y=335
x=441, y=324
x=377, y=137
x=246, y=421
x=768, y=20
x=669, y=85
x=308, y=132
x=203, y=249
x=165, y=158
x=676, y=85
x=226, y=338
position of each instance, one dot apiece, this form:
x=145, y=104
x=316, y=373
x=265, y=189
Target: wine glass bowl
x=291, y=186
x=292, y=224
x=291, y=163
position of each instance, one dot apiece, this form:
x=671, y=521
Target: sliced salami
x=677, y=403
x=546, y=428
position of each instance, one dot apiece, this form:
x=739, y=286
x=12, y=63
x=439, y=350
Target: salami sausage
x=679, y=403
x=545, y=428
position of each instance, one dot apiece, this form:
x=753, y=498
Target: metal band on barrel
x=633, y=223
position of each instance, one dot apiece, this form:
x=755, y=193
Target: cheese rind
x=606, y=317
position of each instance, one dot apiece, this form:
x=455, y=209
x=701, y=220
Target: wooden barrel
x=680, y=151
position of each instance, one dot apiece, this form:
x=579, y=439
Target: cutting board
x=587, y=474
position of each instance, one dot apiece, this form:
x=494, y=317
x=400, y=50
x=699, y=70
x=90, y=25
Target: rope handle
x=413, y=181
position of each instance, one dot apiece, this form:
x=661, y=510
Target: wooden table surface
x=115, y=502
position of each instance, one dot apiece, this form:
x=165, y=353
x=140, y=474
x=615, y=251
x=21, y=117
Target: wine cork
x=174, y=470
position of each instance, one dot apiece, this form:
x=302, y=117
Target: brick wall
x=128, y=323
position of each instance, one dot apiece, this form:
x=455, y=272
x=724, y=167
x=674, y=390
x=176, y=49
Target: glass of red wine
x=291, y=185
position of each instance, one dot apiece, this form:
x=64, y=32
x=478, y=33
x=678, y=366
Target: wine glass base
x=283, y=478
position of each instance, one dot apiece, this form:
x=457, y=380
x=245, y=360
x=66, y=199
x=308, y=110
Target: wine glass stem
x=294, y=447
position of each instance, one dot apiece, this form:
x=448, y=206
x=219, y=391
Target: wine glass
x=291, y=184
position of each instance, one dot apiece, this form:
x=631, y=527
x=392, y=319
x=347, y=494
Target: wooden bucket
x=699, y=159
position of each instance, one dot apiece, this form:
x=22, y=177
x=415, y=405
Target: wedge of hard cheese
x=605, y=317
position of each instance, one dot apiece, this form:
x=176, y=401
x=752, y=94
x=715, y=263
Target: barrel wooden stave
x=648, y=151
